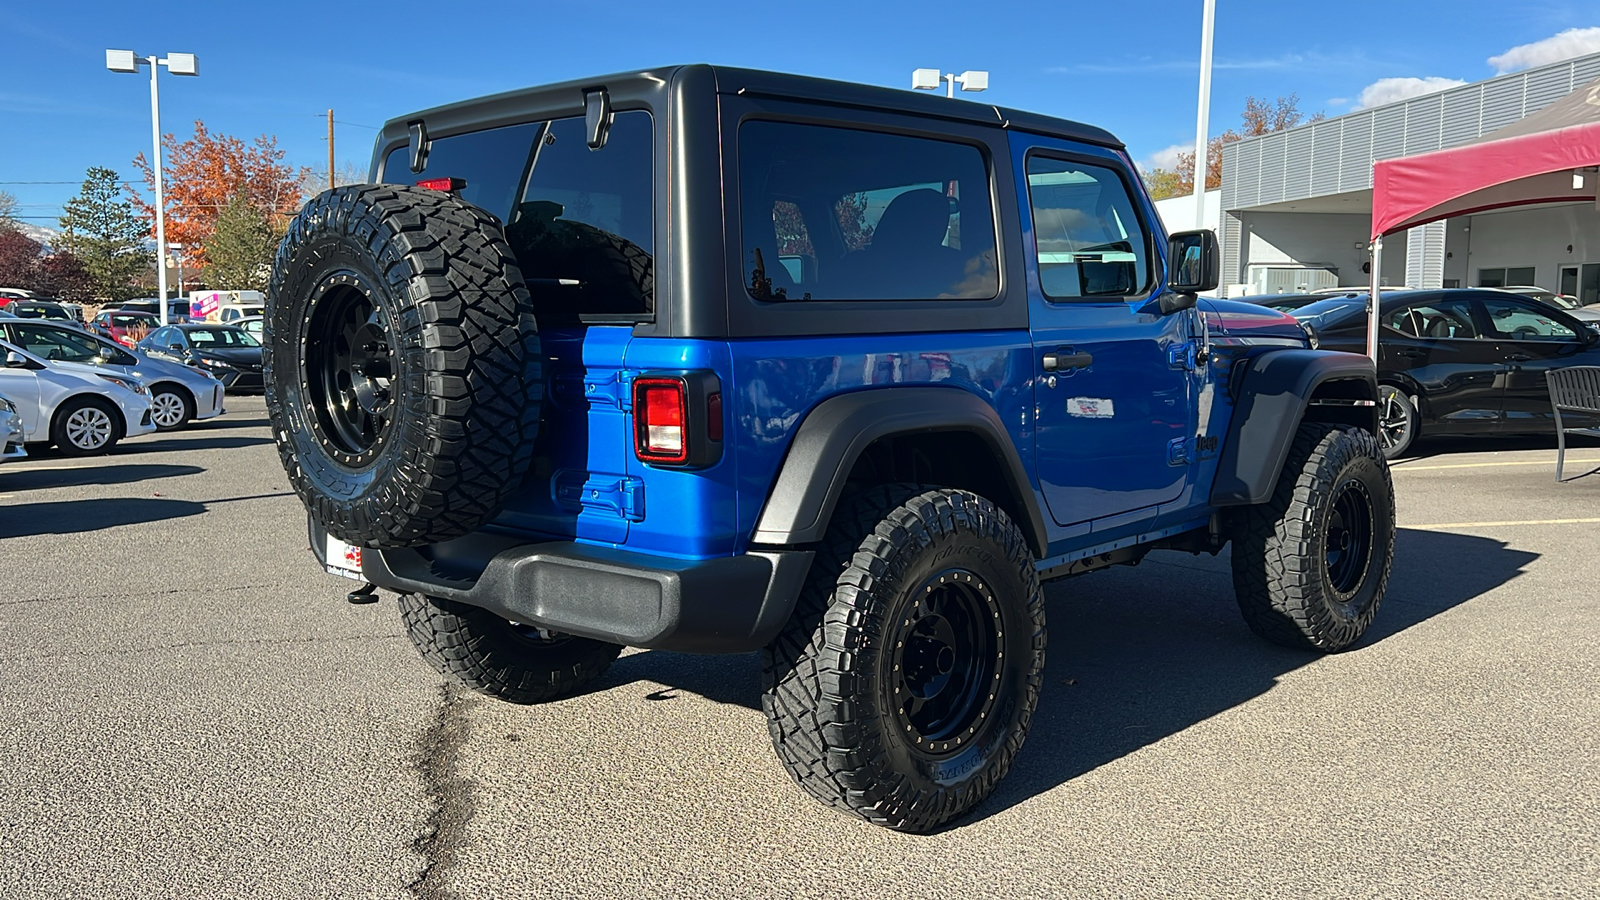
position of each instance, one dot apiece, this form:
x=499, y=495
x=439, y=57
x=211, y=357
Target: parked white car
x=178, y=393
x=10, y=432
x=83, y=410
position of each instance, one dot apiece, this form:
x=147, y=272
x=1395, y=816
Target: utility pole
x=330, y=148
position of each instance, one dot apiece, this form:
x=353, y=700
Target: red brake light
x=660, y=418
x=442, y=184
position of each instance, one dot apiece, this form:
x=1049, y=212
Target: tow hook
x=367, y=593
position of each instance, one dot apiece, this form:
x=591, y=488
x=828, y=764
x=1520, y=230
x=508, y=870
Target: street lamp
x=929, y=80
x=128, y=62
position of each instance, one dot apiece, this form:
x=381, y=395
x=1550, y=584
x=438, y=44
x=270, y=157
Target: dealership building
x=1296, y=205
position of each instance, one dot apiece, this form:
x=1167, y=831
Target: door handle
x=1519, y=357
x=1066, y=359
x=1410, y=354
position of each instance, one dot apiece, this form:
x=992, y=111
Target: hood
x=149, y=369
x=233, y=356
x=91, y=374
x=1237, y=319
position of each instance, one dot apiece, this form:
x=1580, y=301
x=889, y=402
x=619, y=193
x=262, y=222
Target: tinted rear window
x=581, y=222
x=839, y=214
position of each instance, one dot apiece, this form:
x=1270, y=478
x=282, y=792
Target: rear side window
x=1088, y=239
x=580, y=221
x=839, y=214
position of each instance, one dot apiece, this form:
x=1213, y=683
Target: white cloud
x=1566, y=45
x=1164, y=159
x=1393, y=90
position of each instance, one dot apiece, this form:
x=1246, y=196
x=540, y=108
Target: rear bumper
x=724, y=605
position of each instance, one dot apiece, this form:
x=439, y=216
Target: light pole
x=929, y=80
x=1201, y=139
x=128, y=62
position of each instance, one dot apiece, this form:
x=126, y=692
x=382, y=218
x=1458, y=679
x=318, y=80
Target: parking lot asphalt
x=191, y=709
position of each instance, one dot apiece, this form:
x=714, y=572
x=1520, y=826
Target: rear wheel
x=86, y=426
x=905, y=682
x=515, y=662
x=170, y=407
x=1397, y=421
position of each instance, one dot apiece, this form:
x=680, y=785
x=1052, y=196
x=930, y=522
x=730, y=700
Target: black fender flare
x=1273, y=394
x=834, y=435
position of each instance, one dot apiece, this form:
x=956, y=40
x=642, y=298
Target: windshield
x=132, y=320
x=207, y=338
x=1332, y=313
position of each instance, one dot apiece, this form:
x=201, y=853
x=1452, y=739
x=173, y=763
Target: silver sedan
x=179, y=394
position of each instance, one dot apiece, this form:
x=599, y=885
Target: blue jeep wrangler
x=717, y=361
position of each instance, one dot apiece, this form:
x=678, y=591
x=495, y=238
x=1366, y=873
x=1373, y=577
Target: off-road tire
x=1294, y=583
x=460, y=380
x=183, y=398
x=61, y=427
x=829, y=679
x=1398, y=420
x=502, y=659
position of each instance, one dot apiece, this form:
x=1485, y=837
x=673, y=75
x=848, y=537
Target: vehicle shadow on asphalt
x=1430, y=448
x=178, y=440
x=35, y=479
x=1127, y=670
x=1138, y=655
x=78, y=516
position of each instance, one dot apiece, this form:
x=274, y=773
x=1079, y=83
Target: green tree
x=104, y=233
x=240, y=249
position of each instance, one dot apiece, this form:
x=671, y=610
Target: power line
x=41, y=182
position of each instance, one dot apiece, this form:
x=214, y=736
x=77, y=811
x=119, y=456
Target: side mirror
x=1194, y=263
x=15, y=360
x=177, y=347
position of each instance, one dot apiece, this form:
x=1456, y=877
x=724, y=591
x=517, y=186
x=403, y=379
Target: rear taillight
x=661, y=417
x=442, y=184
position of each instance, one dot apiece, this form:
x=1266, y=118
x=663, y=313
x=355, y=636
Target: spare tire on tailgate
x=402, y=364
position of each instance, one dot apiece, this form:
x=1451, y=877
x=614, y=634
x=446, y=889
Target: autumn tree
x=19, y=259
x=203, y=173
x=63, y=276
x=1259, y=117
x=103, y=232
x=239, y=251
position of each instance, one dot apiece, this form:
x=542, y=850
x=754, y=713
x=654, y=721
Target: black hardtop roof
x=732, y=80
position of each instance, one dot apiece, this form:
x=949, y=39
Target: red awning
x=1536, y=160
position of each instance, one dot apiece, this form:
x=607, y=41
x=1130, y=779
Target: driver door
x=1113, y=382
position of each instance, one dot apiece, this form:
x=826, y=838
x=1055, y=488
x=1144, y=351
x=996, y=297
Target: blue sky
x=1130, y=67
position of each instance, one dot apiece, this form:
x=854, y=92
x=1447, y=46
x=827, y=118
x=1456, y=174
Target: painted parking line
x=1444, y=526
x=1534, y=462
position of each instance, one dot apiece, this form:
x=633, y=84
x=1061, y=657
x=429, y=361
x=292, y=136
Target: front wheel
x=170, y=409
x=515, y=662
x=1311, y=564
x=903, y=686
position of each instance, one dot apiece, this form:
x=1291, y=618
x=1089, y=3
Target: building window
x=1495, y=278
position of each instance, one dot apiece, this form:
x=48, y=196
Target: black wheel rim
x=349, y=371
x=1348, y=550
x=1394, y=420
x=946, y=654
